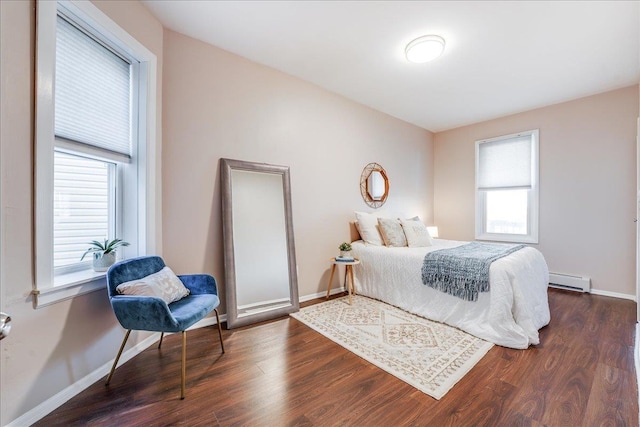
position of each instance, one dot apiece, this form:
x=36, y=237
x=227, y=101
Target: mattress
x=510, y=314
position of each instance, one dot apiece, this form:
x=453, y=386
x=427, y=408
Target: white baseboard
x=321, y=294
x=613, y=294
x=208, y=321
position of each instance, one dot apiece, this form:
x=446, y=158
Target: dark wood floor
x=282, y=373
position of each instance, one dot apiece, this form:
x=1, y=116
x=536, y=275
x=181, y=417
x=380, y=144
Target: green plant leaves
x=105, y=247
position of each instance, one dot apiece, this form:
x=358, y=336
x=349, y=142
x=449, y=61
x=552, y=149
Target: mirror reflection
x=375, y=185
x=259, y=251
x=267, y=282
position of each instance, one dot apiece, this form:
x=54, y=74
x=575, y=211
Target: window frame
x=140, y=186
x=532, y=194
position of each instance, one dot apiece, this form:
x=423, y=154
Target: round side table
x=350, y=283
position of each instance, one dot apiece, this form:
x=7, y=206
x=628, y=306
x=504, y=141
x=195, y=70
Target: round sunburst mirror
x=374, y=185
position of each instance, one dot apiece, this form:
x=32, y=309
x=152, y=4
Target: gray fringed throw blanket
x=463, y=271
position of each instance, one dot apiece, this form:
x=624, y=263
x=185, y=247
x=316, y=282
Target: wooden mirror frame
x=233, y=319
x=364, y=183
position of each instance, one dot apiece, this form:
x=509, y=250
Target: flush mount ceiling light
x=424, y=49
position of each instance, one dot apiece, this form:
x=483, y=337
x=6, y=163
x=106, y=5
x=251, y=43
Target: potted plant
x=104, y=255
x=345, y=250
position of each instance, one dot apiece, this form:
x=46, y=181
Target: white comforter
x=509, y=315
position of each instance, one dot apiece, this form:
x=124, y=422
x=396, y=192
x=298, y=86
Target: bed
x=510, y=314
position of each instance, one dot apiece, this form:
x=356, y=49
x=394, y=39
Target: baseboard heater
x=570, y=282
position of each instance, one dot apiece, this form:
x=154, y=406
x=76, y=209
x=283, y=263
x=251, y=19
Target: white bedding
x=509, y=315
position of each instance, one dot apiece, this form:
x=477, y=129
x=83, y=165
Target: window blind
x=505, y=163
x=80, y=207
x=92, y=92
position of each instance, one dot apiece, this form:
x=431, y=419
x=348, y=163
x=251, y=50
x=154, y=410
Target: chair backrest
x=132, y=269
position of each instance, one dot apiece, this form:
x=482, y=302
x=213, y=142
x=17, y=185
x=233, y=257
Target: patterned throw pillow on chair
x=163, y=284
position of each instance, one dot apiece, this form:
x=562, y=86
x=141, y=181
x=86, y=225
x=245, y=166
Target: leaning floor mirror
x=259, y=251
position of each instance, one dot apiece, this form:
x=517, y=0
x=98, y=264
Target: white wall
x=587, y=184
x=52, y=347
x=217, y=104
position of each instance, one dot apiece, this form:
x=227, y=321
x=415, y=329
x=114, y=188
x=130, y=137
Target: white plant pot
x=102, y=262
x=345, y=254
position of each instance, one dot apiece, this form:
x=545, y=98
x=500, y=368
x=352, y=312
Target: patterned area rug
x=428, y=355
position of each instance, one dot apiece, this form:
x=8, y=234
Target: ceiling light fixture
x=424, y=49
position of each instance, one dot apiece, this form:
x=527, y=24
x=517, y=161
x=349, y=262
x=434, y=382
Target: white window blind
x=92, y=92
x=505, y=163
x=92, y=111
x=81, y=206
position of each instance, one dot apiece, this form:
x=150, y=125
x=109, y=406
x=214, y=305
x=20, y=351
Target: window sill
x=68, y=286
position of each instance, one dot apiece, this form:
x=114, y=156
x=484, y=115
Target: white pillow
x=416, y=233
x=392, y=232
x=368, y=227
x=163, y=284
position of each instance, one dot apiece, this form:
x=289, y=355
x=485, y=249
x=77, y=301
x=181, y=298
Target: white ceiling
x=500, y=58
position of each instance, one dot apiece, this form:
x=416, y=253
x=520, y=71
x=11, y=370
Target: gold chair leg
x=115, y=362
x=184, y=363
x=160, y=343
x=219, y=329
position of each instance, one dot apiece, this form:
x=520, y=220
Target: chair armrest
x=200, y=283
x=143, y=313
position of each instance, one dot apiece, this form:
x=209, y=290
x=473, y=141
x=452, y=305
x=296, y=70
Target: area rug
x=430, y=356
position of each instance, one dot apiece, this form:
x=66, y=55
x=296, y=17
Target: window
x=95, y=131
x=507, y=188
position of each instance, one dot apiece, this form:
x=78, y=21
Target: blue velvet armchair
x=154, y=314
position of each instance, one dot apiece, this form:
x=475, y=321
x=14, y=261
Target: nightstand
x=349, y=282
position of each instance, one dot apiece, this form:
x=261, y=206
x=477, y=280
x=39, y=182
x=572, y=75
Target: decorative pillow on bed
x=368, y=227
x=163, y=284
x=392, y=233
x=416, y=233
